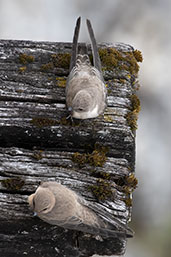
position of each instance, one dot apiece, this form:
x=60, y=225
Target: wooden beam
x=94, y=157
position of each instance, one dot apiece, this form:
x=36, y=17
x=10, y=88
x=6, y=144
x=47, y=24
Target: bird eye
x=80, y=109
x=45, y=209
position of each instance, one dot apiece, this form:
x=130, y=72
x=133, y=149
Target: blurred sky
x=146, y=26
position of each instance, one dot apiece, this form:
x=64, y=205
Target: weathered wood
x=38, y=144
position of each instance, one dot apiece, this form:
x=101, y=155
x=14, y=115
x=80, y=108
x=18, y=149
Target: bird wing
x=74, y=223
x=75, y=44
x=112, y=224
x=96, y=57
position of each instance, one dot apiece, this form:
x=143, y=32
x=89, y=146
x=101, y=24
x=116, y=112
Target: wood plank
x=38, y=143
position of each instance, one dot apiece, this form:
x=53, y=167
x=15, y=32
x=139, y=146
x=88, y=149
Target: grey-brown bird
x=61, y=206
x=85, y=88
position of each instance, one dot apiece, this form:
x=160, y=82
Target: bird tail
x=75, y=44
x=96, y=57
x=111, y=231
x=82, y=49
x=106, y=225
x=104, y=232
x=82, y=57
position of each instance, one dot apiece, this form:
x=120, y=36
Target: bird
x=59, y=205
x=85, y=88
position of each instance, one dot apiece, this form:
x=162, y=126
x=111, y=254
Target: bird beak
x=70, y=109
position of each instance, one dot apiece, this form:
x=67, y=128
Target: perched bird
x=85, y=88
x=61, y=206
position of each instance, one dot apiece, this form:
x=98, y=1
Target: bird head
x=42, y=201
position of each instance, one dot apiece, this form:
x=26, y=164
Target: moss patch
x=47, y=67
x=13, y=183
x=96, y=158
x=132, y=116
x=43, y=122
x=25, y=59
x=61, y=60
x=128, y=201
x=80, y=158
x=64, y=121
x=37, y=155
x=22, y=69
x=108, y=118
x=60, y=81
x=109, y=57
x=138, y=55
x=135, y=102
x=100, y=174
x=114, y=59
x=131, y=182
x=102, y=190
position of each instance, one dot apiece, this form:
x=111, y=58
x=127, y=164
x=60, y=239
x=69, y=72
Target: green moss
x=47, y=67
x=130, y=63
x=61, y=60
x=128, y=201
x=127, y=190
x=138, y=55
x=80, y=158
x=13, y=183
x=135, y=102
x=64, y=121
x=25, y=59
x=130, y=184
x=135, y=85
x=109, y=91
x=60, y=81
x=22, y=69
x=127, y=184
x=100, y=174
x=109, y=57
x=102, y=190
x=97, y=158
x=108, y=118
x=37, y=155
x=132, y=181
x=132, y=116
x=43, y=122
x=112, y=59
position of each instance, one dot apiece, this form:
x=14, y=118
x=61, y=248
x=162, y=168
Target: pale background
x=146, y=26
